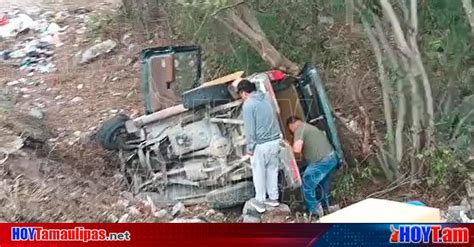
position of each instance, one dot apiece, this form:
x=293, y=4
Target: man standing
x=263, y=135
x=320, y=158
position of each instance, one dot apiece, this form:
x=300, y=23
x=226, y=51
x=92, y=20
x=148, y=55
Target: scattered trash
x=33, y=53
x=97, y=51
x=80, y=86
x=16, y=26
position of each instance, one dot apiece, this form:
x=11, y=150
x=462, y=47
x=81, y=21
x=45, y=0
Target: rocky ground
x=60, y=80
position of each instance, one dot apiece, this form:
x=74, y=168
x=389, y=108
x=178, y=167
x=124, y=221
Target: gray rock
x=97, y=51
x=36, y=113
x=77, y=100
x=248, y=209
x=251, y=219
x=278, y=214
x=178, y=208
x=453, y=214
x=281, y=208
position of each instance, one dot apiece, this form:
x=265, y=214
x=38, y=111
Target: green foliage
x=445, y=168
x=447, y=42
x=96, y=24
x=343, y=187
x=105, y=25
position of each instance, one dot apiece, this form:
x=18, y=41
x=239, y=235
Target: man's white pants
x=265, y=162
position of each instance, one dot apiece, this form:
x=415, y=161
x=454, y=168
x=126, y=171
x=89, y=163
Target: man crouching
x=321, y=162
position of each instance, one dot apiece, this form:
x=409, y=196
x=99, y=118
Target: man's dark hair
x=246, y=86
x=292, y=119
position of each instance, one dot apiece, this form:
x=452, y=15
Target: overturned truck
x=190, y=144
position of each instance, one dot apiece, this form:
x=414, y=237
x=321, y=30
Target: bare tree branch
x=424, y=76
x=399, y=36
x=230, y=6
x=402, y=105
x=248, y=28
x=386, y=87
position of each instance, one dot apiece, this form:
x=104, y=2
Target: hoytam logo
x=429, y=234
x=74, y=234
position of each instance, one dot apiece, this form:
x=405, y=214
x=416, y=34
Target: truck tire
x=110, y=134
x=206, y=95
x=231, y=195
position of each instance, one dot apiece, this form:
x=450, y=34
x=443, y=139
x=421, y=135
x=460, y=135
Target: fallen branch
x=402, y=180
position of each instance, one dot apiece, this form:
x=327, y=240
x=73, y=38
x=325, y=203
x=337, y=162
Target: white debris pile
x=33, y=41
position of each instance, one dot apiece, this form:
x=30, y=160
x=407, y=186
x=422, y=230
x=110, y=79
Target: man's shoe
x=271, y=203
x=259, y=206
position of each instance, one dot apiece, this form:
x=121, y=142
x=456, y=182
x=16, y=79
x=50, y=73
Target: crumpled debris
x=16, y=25
x=33, y=53
x=97, y=50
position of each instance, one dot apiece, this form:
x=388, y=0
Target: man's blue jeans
x=316, y=176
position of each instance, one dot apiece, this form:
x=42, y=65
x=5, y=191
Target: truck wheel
x=111, y=134
x=206, y=95
x=231, y=195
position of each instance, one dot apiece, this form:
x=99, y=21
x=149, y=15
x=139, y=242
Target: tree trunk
x=242, y=21
x=385, y=84
x=424, y=77
x=467, y=4
x=350, y=12
x=402, y=105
